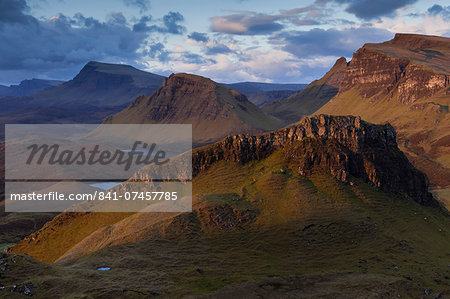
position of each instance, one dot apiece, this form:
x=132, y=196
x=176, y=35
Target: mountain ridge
x=404, y=81
x=364, y=141
x=413, y=86
x=249, y=88
x=96, y=85
x=27, y=87
x=213, y=110
x=347, y=149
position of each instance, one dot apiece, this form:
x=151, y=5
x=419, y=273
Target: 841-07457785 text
x=135, y=195
x=101, y=196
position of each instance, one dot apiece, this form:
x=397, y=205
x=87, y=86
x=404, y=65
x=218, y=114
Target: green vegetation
x=317, y=224
x=312, y=228
x=66, y=230
x=5, y=245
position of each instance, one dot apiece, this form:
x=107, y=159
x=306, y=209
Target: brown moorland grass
x=312, y=228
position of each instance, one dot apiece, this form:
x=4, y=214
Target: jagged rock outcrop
x=406, y=82
x=342, y=146
x=374, y=71
x=409, y=66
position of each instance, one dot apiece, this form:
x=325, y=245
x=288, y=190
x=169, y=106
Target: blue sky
x=228, y=41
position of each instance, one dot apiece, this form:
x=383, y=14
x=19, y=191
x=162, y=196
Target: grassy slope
x=63, y=232
x=15, y=226
x=303, y=226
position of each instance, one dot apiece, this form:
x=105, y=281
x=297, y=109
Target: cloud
x=431, y=24
x=319, y=13
x=331, y=42
x=158, y=51
x=171, y=21
x=143, y=5
x=117, y=18
x=199, y=37
x=253, y=23
x=141, y=25
x=210, y=47
x=59, y=46
x=12, y=11
x=250, y=23
x=439, y=10
x=57, y=41
x=169, y=24
x=305, y=22
x=433, y=21
x=217, y=49
x=196, y=59
x=314, y=11
x=370, y=9
x=255, y=64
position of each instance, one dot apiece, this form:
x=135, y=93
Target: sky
x=228, y=41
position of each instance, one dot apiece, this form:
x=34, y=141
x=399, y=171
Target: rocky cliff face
x=408, y=66
x=406, y=82
x=418, y=83
x=341, y=146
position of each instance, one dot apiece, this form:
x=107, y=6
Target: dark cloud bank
x=60, y=46
x=370, y=9
x=331, y=42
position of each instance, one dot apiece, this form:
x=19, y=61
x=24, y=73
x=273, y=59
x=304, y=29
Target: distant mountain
x=262, y=98
x=260, y=93
x=27, y=87
x=98, y=85
x=406, y=82
x=311, y=98
x=249, y=88
x=213, y=110
x=100, y=89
